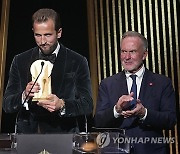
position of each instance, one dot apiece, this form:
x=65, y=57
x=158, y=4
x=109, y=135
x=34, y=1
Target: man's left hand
x=53, y=103
x=139, y=111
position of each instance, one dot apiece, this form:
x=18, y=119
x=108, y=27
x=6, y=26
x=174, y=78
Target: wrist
x=62, y=104
x=118, y=109
x=24, y=95
x=142, y=113
x=62, y=109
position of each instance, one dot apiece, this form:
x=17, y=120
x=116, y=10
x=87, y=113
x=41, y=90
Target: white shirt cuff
x=62, y=112
x=25, y=103
x=143, y=118
x=116, y=114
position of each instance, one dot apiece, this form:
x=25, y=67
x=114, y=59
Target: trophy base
x=40, y=99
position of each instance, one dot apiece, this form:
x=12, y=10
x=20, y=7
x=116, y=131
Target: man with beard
x=71, y=95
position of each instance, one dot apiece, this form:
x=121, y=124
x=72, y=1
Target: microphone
x=17, y=116
x=42, y=64
x=86, y=122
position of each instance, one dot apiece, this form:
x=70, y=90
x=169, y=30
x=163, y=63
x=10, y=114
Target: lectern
x=44, y=143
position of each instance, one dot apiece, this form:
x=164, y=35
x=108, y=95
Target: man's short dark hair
x=43, y=15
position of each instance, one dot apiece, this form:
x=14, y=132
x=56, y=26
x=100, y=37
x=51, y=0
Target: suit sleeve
x=13, y=93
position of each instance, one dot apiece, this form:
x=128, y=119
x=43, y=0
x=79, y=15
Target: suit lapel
x=58, y=70
x=33, y=57
x=120, y=86
x=146, y=87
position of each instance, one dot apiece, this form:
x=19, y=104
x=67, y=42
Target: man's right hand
x=35, y=89
x=123, y=101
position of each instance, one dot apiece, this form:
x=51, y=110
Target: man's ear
x=145, y=55
x=59, y=33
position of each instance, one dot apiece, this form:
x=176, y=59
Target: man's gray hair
x=136, y=34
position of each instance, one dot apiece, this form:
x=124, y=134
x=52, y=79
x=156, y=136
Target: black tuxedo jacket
x=70, y=80
x=156, y=94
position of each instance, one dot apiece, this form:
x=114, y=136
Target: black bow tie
x=51, y=57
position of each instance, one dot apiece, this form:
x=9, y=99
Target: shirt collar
x=57, y=49
x=139, y=73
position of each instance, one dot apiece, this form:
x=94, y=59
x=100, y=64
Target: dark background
x=73, y=15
